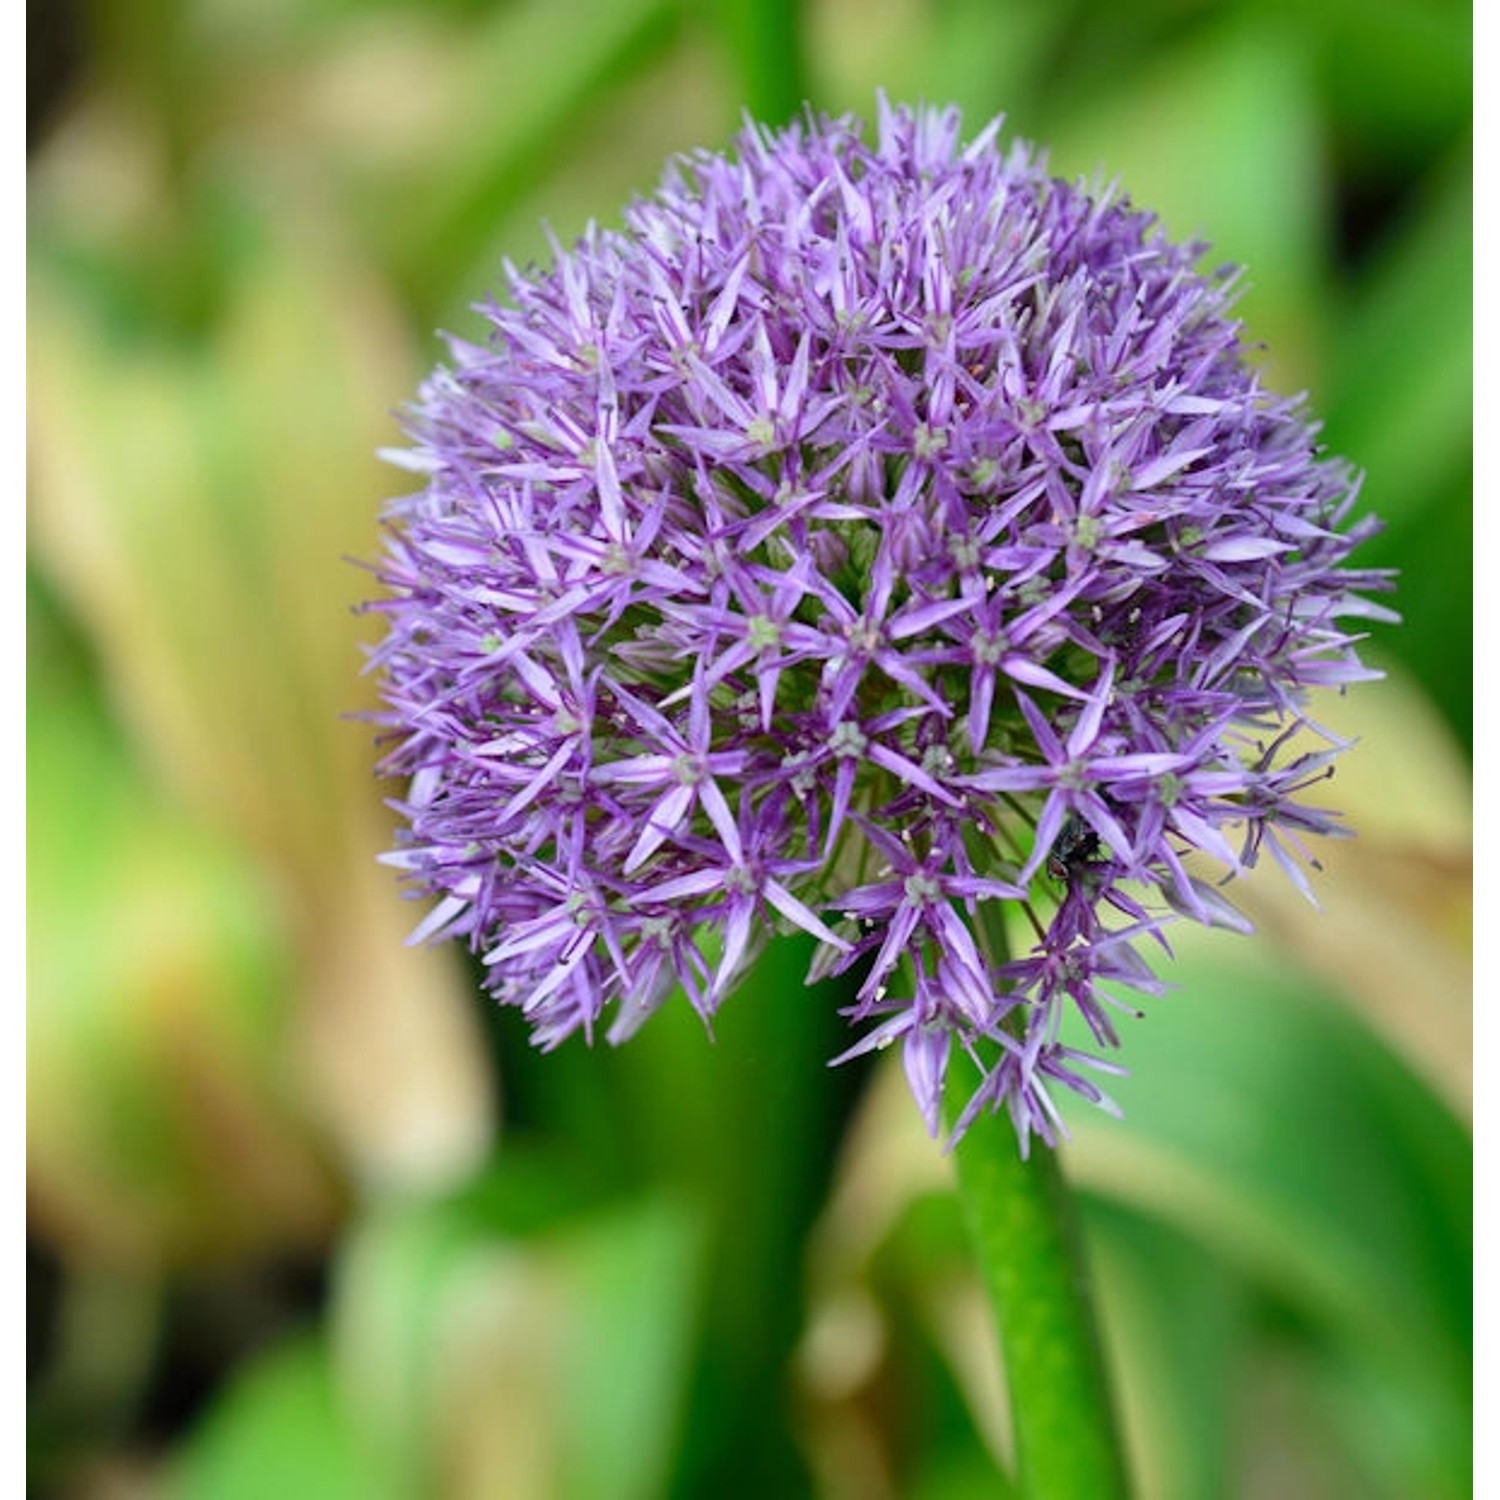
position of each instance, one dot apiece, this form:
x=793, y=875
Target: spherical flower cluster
x=882, y=540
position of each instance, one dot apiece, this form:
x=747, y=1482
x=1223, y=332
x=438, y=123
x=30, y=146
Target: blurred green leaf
x=1402, y=409
x=1264, y=1120
x=1396, y=904
x=764, y=39
x=280, y=1429
x=637, y=1276
x=196, y=504
x=1401, y=378
x=1398, y=73
x=192, y=506
x=1435, y=592
x=1175, y=1322
x=161, y=1127
x=550, y=1366
x=399, y=1268
x=1402, y=1439
x=938, y=1349
x=746, y=1123
x=966, y=1475
x=549, y=65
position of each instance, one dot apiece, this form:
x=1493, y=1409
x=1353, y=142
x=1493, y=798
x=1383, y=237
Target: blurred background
x=307, y=1217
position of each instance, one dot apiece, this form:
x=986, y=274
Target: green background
x=307, y=1218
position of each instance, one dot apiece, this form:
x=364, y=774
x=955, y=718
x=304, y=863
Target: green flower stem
x=1027, y=1236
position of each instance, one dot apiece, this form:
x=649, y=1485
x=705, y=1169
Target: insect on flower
x=1074, y=850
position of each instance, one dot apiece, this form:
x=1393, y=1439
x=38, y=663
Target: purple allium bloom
x=865, y=537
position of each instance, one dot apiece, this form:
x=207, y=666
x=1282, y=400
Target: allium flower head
x=877, y=539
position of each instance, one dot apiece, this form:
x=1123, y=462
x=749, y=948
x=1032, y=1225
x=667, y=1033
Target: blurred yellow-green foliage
x=306, y=1218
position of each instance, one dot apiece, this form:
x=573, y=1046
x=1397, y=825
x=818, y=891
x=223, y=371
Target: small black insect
x=1074, y=849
